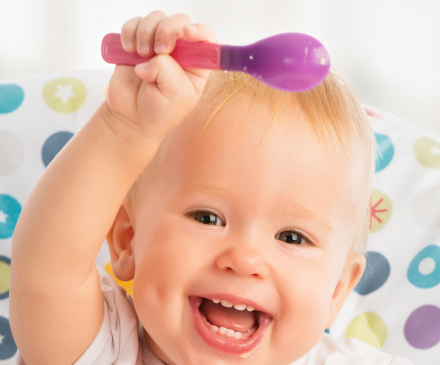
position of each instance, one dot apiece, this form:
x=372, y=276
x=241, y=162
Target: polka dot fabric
x=396, y=305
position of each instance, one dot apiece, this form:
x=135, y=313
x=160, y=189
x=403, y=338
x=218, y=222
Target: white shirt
x=120, y=340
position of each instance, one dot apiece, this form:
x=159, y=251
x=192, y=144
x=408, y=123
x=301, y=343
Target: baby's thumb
x=166, y=73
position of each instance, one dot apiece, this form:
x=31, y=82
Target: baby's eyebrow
x=287, y=204
x=297, y=210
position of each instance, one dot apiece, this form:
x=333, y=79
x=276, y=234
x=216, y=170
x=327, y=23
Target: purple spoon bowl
x=292, y=62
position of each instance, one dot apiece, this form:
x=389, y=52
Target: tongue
x=231, y=318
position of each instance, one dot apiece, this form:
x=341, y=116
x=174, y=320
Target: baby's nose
x=244, y=260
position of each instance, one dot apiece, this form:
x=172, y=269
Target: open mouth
x=236, y=328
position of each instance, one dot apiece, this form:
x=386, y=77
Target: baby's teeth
x=240, y=307
x=225, y=303
x=226, y=332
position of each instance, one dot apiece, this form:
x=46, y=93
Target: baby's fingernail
x=144, y=48
x=192, y=28
x=160, y=47
x=142, y=66
x=128, y=44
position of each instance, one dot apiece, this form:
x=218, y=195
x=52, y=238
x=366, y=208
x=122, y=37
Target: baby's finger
x=199, y=32
x=128, y=34
x=146, y=31
x=168, y=31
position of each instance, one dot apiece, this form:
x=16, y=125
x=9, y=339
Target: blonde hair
x=335, y=115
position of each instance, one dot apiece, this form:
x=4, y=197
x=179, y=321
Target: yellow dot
x=64, y=95
x=127, y=285
x=5, y=277
x=369, y=328
x=427, y=152
x=380, y=210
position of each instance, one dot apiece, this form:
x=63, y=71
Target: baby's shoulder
x=332, y=351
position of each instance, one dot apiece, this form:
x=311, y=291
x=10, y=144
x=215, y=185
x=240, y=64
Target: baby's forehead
x=241, y=118
x=237, y=133
x=228, y=145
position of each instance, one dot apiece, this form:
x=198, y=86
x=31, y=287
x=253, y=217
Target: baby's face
x=262, y=227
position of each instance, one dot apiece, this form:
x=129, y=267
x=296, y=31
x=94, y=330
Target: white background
x=388, y=50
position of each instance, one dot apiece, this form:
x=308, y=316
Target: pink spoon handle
x=188, y=54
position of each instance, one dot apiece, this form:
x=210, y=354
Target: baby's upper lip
x=234, y=299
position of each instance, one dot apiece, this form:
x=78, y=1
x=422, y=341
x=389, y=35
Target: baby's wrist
x=123, y=129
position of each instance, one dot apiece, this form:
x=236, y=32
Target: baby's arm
x=56, y=305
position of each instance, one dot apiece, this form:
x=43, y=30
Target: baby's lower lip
x=219, y=342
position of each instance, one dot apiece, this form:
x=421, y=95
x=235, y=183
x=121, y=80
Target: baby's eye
x=293, y=238
x=206, y=217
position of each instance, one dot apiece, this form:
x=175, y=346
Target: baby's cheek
x=301, y=327
x=155, y=305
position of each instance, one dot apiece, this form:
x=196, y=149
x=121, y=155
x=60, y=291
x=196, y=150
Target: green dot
x=64, y=95
x=369, y=328
x=427, y=152
x=5, y=277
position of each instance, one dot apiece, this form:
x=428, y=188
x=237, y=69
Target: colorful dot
x=384, y=151
x=127, y=285
x=429, y=277
x=380, y=210
x=53, y=145
x=5, y=276
x=427, y=152
x=372, y=112
x=422, y=328
x=11, y=97
x=64, y=95
x=425, y=207
x=369, y=328
x=375, y=275
x=8, y=348
x=10, y=210
x=11, y=153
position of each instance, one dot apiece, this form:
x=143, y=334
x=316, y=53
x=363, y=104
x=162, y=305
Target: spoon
x=292, y=62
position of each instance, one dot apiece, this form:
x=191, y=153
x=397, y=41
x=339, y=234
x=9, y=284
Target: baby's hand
x=152, y=100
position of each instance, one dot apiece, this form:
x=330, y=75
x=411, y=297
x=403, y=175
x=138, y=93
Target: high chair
x=396, y=305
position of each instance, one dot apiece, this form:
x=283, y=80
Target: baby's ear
x=120, y=242
x=352, y=272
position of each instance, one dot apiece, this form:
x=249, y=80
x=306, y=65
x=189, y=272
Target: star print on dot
x=380, y=210
x=7, y=345
x=64, y=95
x=10, y=210
x=3, y=216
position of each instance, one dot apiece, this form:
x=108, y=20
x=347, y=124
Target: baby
x=239, y=211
